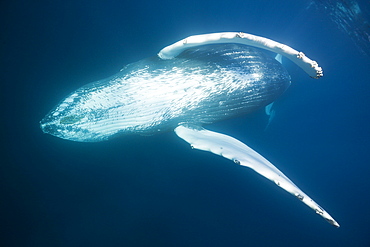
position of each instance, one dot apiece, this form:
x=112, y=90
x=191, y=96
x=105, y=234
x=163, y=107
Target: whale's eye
x=70, y=119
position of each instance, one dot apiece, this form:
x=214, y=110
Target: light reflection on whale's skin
x=201, y=86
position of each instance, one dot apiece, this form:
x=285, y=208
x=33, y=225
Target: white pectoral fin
x=241, y=154
x=309, y=66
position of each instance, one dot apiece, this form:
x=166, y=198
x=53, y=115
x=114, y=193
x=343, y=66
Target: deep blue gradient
x=155, y=190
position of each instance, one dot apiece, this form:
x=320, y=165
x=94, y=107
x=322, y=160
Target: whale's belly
x=200, y=86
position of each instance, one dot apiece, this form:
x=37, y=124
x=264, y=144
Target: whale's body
x=193, y=82
x=203, y=85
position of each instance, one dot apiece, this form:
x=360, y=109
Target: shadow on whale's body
x=192, y=83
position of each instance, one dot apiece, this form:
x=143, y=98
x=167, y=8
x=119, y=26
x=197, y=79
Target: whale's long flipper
x=309, y=66
x=241, y=154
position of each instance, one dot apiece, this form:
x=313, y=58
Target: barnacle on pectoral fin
x=319, y=72
x=313, y=64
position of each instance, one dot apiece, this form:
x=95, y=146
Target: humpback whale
x=194, y=82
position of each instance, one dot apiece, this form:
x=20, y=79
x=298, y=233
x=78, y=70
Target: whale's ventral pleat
x=200, y=86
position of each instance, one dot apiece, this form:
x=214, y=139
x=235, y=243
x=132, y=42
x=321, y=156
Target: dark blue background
x=156, y=191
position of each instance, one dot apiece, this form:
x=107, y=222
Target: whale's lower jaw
x=200, y=86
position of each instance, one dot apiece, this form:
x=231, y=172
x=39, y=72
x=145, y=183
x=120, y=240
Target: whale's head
x=66, y=122
x=82, y=116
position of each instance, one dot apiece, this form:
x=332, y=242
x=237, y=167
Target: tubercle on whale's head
x=68, y=121
x=63, y=127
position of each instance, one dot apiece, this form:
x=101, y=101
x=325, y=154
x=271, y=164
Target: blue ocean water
x=155, y=190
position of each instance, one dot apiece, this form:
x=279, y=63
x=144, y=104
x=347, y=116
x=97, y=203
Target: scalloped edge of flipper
x=238, y=152
x=309, y=66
